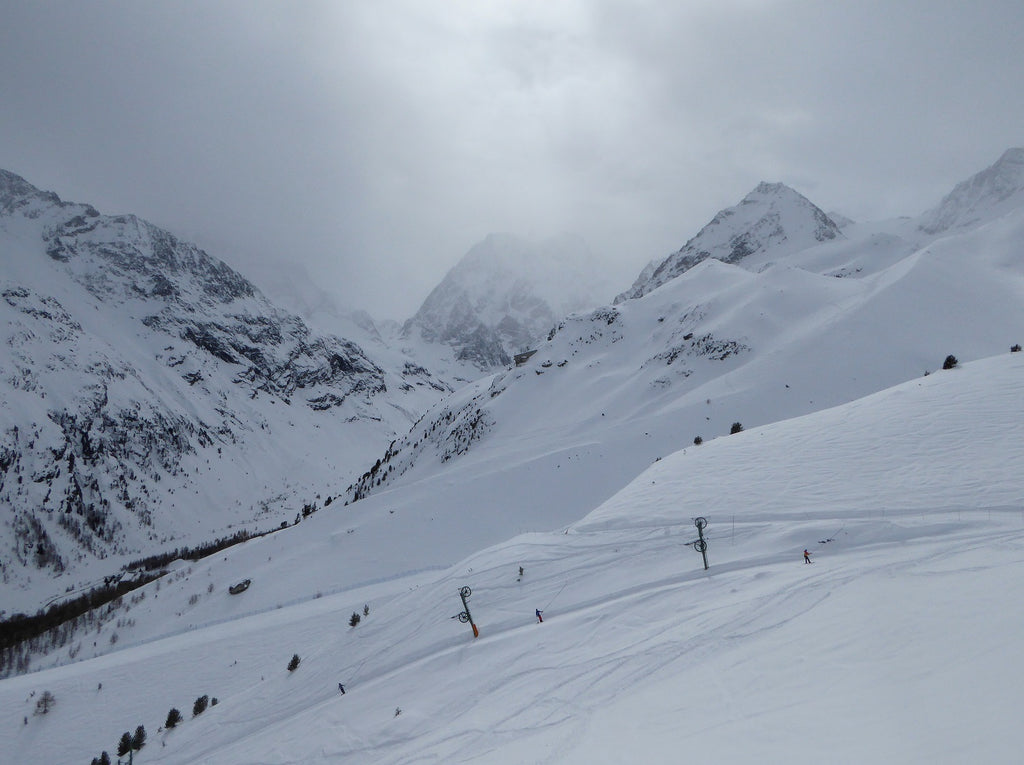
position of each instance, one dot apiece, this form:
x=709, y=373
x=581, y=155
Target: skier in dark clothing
x=341, y=688
x=539, y=617
x=807, y=556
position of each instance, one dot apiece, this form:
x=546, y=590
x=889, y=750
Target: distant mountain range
x=153, y=397
x=770, y=312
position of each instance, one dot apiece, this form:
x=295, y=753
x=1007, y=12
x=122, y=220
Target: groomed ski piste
x=900, y=643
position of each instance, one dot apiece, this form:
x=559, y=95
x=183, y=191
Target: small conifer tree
x=698, y=441
x=45, y=703
x=950, y=362
x=139, y=739
x=200, y=705
x=125, y=744
x=736, y=428
x=173, y=718
x=354, y=620
x=294, y=663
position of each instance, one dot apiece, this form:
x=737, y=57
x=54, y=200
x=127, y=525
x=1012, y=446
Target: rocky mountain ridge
x=153, y=397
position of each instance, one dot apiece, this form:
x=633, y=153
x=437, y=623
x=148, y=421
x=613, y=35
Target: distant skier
x=807, y=556
x=520, y=571
x=539, y=617
x=341, y=688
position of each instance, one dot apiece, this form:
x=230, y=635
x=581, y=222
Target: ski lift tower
x=701, y=544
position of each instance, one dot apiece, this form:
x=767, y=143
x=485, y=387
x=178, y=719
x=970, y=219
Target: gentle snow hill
x=911, y=499
x=151, y=398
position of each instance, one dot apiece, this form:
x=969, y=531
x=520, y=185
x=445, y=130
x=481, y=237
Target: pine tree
x=200, y=706
x=45, y=703
x=124, y=746
x=294, y=663
x=173, y=718
x=354, y=620
x=139, y=739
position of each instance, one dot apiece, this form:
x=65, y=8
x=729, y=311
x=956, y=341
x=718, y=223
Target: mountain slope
x=982, y=197
x=715, y=346
x=153, y=398
x=504, y=295
x=772, y=219
x=901, y=626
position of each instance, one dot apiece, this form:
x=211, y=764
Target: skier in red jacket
x=807, y=556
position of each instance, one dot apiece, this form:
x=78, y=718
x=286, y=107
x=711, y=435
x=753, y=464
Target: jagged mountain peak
x=19, y=196
x=982, y=197
x=773, y=217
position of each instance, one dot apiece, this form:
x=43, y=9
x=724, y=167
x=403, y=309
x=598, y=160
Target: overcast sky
x=375, y=142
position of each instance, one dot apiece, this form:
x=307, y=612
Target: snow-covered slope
x=773, y=220
x=153, y=398
x=898, y=644
x=718, y=345
x=504, y=295
x=982, y=197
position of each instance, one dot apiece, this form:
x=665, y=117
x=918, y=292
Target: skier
x=520, y=571
x=341, y=688
x=807, y=556
x=539, y=617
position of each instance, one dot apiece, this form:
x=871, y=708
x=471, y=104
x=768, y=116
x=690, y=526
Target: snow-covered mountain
x=717, y=345
x=506, y=294
x=905, y=624
x=982, y=197
x=153, y=398
x=910, y=497
x=772, y=220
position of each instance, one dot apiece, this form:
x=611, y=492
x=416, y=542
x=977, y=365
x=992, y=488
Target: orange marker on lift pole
x=465, y=616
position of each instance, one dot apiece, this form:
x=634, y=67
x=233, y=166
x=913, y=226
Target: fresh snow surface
x=898, y=644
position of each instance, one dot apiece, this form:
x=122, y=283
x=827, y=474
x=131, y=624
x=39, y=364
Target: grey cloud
x=375, y=142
